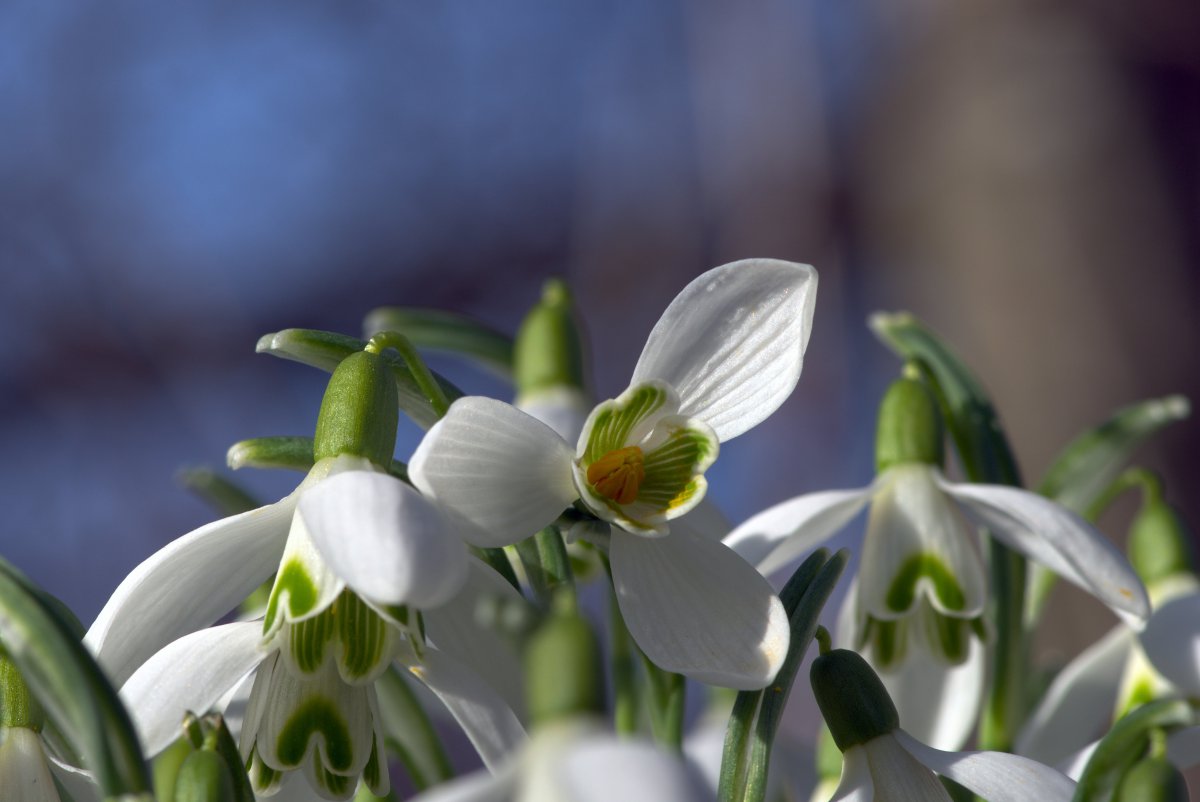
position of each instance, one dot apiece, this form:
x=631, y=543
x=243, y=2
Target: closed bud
x=203, y=777
x=852, y=699
x=909, y=428
x=564, y=674
x=549, y=351
x=360, y=411
x=1160, y=544
x=1153, y=779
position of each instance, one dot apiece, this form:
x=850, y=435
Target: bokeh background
x=177, y=179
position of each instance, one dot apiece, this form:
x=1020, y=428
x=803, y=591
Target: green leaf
x=226, y=497
x=409, y=733
x=447, y=332
x=71, y=688
x=1126, y=744
x=1092, y=461
x=326, y=350
x=756, y=715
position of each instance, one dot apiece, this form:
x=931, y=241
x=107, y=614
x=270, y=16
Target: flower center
x=618, y=474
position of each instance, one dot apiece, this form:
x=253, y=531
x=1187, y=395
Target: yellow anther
x=618, y=474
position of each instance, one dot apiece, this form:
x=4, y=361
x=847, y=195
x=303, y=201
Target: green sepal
x=549, y=349
x=70, y=686
x=18, y=707
x=226, y=497
x=1160, y=543
x=203, y=777
x=852, y=699
x=564, y=674
x=290, y=453
x=909, y=427
x=435, y=330
x=1126, y=744
x=1153, y=779
x=359, y=411
x=326, y=350
x=1089, y=464
x=754, y=721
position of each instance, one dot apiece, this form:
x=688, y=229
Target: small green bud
x=852, y=699
x=166, y=768
x=1159, y=542
x=360, y=411
x=203, y=777
x=18, y=708
x=564, y=673
x=1153, y=779
x=909, y=428
x=548, y=351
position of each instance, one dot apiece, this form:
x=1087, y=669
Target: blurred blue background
x=178, y=179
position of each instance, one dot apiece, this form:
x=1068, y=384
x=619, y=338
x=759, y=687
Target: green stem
x=624, y=669
x=410, y=734
x=668, y=692
x=420, y=371
x=547, y=565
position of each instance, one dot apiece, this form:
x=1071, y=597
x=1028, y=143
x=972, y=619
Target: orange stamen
x=618, y=474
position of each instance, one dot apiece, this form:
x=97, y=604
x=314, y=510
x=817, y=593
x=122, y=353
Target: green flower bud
x=1159, y=542
x=909, y=428
x=166, y=768
x=852, y=699
x=203, y=777
x=18, y=708
x=564, y=673
x=1152, y=780
x=360, y=411
x=548, y=351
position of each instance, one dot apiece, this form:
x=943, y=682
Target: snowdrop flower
x=882, y=761
x=724, y=355
x=917, y=603
x=356, y=553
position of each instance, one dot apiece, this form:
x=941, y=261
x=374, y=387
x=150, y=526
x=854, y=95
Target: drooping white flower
x=29, y=771
x=724, y=356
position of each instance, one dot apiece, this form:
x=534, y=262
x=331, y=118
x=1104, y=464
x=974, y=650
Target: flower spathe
x=725, y=354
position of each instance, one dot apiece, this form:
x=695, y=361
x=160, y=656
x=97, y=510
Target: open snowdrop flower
x=919, y=594
x=725, y=354
x=880, y=761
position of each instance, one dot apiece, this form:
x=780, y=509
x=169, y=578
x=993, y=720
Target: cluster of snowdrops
x=548, y=576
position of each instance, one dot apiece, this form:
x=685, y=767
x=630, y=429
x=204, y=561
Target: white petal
x=75, y=781
x=732, y=342
x=937, y=703
x=1059, y=539
x=602, y=768
x=857, y=784
x=455, y=629
x=900, y=776
x=191, y=673
x=911, y=516
x=24, y=773
x=1074, y=765
x=387, y=542
x=188, y=584
x=707, y=520
x=1172, y=642
x=1079, y=703
x=1183, y=747
x=995, y=776
x=563, y=409
x=779, y=534
x=506, y=473
x=696, y=608
x=490, y=724
x=480, y=786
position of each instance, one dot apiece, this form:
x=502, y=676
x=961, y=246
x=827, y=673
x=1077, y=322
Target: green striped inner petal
x=902, y=593
x=674, y=469
x=264, y=779
x=367, y=642
x=316, y=715
x=300, y=587
x=613, y=421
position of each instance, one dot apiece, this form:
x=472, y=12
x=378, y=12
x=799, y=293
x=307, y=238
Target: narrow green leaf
x=1126, y=744
x=447, y=332
x=1092, y=461
x=409, y=733
x=71, y=687
x=326, y=350
x=223, y=495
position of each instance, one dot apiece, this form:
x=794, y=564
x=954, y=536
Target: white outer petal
x=995, y=776
x=707, y=520
x=1172, y=642
x=1079, y=702
x=937, y=703
x=386, y=541
x=732, y=342
x=601, y=768
x=1060, y=540
x=479, y=786
x=857, y=784
x=899, y=776
x=696, y=608
x=190, y=674
x=490, y=724
x=506, y=473
x=563, y=409
x=188, y=584
x=1183, y=748
x=779, y=534
x=24, y=772
x=75, y=781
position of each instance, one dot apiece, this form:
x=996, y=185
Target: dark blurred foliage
x=178, y=178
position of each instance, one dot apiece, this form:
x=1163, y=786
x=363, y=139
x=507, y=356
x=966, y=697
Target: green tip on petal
x=360, y=411
x=549, y=349
x=909, y=428
x=852, y=699
x=1160, y=543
